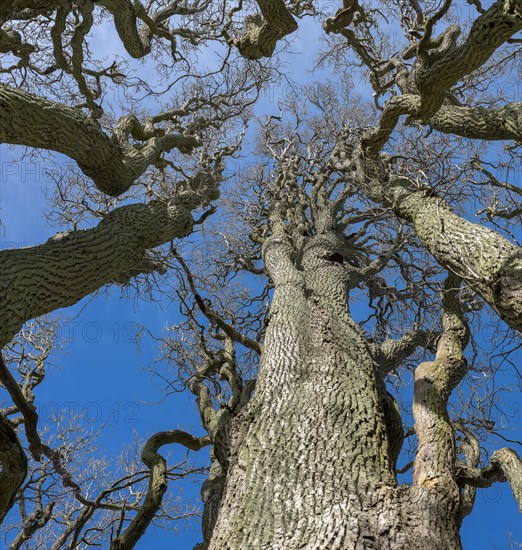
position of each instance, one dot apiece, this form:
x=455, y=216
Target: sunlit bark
x=111, y=162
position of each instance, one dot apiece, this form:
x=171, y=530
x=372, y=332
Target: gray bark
x=158, y=483
x=111, y=162
x=501, y=123
x=488, y=262
x=308, y=463
x=265, y=30
x=60, y=272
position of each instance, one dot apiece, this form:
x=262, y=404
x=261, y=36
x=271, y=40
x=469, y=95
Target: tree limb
x=393, y=352
x=488, y=262
x=264, y=31
x=437, y=71
x=60, y=272
x=113, y=164
x=227, y=328
x=501, y=123
x=158, y=482
x=505, y=465
x=434, y=382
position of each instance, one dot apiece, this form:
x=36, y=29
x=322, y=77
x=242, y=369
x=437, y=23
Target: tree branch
x=434, y=382
x=442, y=70
x=158, y=482
x=228, y=329
x=505, y=465
x=501, y=123
x=264, y=31
x=38, y=519
x=435, y=72
x=488, y=262
x=112, y=164
x=393, y=352
x=58, y=273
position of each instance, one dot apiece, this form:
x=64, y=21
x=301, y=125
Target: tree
x=340, y=259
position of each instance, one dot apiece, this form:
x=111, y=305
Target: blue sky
x=101, y=371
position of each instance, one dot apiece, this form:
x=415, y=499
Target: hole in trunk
x=336, y=258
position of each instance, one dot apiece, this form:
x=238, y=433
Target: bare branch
x=158, y=482
x=113, y=164
x=505, y=465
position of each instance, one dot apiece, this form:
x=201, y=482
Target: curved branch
x=501, y=123
x=436, y=72
x=434, y=381
x=136, y=43
x=38, y=519
x=33, y=121
x=393, y=352
x=158, y=482
x=264, y=31
x=489, y=31
x=28, y=410
x=505, y=465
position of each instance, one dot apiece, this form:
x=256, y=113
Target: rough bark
x=60, y=272
x=434, y=380
x=111, y=162
x=393, y=352
x=13, y=466
x=16, y=8
x=502, y=123
x=124, y=12
x=309, y=463
x=443, y=68
x=488, y=262
x=265, y=30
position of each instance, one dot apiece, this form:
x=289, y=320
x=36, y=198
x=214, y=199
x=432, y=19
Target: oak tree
x=323, y=258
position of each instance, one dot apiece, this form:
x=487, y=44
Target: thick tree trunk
x=308, y=462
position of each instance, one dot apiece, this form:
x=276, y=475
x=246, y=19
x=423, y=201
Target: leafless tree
x=335, y=268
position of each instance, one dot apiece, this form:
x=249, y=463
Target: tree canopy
x=337, y=254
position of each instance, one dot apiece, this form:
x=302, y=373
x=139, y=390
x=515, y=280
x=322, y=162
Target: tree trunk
x=309, y=462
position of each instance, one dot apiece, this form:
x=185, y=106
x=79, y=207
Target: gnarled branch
x=504, y=465
x=265, y=30
x=158, y=482
x=113, y=164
